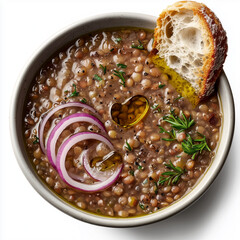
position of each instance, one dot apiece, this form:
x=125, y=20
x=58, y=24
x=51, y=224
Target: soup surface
x=163, y=142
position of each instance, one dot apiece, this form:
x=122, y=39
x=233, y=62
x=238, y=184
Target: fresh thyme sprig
x=120, y=75
x=192, y=148
x=74, y=93
x=177, y=122
x=171, y=133
x=171, y=177
x=140, y=46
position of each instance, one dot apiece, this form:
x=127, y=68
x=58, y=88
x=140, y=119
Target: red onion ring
x=51, y=112
x=65, y=122
x=61, y=158
x=92, y=172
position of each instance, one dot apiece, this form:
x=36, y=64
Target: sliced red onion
x=51, y=112
x=65, y=122
x=61, y=158
x=93, y=172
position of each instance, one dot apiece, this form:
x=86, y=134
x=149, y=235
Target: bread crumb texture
x=192, y=43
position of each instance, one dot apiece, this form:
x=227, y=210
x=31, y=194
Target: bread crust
x=213, y=61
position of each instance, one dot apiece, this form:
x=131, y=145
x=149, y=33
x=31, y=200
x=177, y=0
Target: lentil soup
x=162, y=143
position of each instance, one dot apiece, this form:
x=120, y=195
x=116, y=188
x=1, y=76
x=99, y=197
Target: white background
x=24, y=214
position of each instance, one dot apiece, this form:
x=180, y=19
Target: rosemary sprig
x=96, y=77
x=171, y=177
x=177, y=122
x=192, y=148
x=128, y=147
x=74, y=93
x=171, y=133
x=104, y=68
x=140, y=46
x=120, y=75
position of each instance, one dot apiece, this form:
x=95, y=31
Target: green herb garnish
x=131, y=172
x=177, y=98
x=128, y=147
x=178, y=123
x=118, y=40
x=36, y=140
x=171, y=133
x=84, y=100
x=171, y=177
x=192, y=148
x=111, y=49
x=141, y=205
x=103, y=68
x=121, y=65
x=74, y=93
x=140, y=167
x=96, y=77
x=161, y=85
x=155, y=107
x=140, y=46
x=120, y=75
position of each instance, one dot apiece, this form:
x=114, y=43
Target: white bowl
x=42, y=55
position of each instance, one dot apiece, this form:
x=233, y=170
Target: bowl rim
x=62, y=205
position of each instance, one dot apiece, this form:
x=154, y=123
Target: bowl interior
x=42, y=55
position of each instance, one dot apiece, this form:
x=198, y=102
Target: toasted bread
x=192, y=42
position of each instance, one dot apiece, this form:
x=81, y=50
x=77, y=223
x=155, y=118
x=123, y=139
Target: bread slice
x=192, y=41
